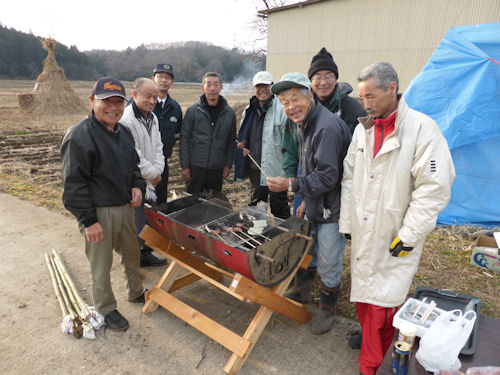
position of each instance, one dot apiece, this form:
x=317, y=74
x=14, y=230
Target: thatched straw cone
x=53, y=93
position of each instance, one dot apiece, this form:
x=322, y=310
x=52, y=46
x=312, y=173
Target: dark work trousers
x=162, y=187
x=277, y=201
x=204, y=180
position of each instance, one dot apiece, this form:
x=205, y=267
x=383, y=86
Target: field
x=29, y=169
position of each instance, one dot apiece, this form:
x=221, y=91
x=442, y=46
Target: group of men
x=382, y=189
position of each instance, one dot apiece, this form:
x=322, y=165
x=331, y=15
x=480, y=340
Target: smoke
x=242, y=83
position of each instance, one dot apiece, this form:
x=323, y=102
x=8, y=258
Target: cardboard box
x=486, y=253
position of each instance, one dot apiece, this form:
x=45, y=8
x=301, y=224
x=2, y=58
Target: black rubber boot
x=323, y=320
x=302, y=286
x=355, y=340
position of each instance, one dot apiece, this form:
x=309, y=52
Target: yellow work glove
x=399, y=249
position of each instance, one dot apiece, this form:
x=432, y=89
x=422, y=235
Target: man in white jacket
x=141, y=120
x=397, y=177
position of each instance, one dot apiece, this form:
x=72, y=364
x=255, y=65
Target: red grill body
x=184, y=221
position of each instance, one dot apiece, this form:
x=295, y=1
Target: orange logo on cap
x=167, y=66
x=110, y=86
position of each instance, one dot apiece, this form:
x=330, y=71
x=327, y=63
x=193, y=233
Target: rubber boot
x=355, y=340
x=323, y=320
x=302, y=285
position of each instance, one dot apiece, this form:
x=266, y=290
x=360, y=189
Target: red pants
x=377, y=334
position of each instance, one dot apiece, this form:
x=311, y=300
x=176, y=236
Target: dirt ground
x=158, y=343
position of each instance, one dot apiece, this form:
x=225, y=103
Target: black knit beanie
x=323, y=61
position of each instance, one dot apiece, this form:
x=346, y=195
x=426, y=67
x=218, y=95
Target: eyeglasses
x=327, y=77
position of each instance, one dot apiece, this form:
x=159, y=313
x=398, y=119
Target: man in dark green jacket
x=334, y=95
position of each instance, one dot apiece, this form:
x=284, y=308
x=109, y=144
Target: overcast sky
x=110, y=24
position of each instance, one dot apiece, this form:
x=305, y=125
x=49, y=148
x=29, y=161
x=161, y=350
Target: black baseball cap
x=107, y=87
x=166, y=68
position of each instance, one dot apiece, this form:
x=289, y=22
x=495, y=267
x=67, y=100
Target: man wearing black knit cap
x=334, y=95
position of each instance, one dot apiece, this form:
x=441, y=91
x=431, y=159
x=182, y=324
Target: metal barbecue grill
x=256, y=245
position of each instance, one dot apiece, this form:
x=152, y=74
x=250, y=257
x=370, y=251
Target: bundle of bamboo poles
x=78, y=318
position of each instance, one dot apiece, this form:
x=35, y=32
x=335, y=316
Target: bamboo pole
x=77, y=324
x=71, y=295
x=59, y=298
x=63, y=290
x=83, y=306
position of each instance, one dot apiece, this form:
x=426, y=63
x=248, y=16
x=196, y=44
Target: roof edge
x=265, y=12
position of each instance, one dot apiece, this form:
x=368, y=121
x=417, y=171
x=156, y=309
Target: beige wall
x=361, y=32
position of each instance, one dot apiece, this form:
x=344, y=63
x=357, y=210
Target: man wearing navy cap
x=169, y=115
x=102, y=184
x=323, y=141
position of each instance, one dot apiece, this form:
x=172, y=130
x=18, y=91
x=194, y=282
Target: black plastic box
x=449, y=300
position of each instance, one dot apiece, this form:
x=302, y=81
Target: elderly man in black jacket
x=101, y=185
x=207, y=139
x=323, y=142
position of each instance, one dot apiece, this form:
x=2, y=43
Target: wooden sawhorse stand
x=240, y=287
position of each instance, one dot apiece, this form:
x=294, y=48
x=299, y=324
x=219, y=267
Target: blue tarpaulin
x=460, y=89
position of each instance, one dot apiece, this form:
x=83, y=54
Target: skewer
x=419, y=307
x=246, y=241
x=213, y=232
x=428, y=312
x=256, y=164
x=251, y=238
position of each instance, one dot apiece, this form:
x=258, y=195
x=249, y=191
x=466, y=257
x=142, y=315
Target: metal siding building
x=361, y=32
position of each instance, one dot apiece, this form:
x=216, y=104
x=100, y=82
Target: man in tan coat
x=397, y=177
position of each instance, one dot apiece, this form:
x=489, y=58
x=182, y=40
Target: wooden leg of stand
x=255, y=329
x=268, y=298
x=167, y=280
x=260, y=320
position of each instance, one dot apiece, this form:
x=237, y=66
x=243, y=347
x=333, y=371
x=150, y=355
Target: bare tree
x=259, y=23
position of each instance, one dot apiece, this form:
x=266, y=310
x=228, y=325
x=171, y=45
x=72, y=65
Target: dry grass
x=29, y=169
x=53, y=94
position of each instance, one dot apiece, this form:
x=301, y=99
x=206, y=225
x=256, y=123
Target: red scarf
x=383, y=127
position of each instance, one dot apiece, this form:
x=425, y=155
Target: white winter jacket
x=148, y=146
x=400, y=192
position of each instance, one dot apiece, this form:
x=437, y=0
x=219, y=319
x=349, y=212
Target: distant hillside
x=21, y=57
